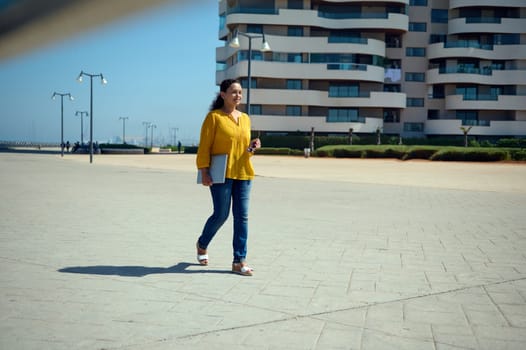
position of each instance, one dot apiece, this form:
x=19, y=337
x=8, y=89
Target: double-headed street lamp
x=62, y=117
x=82, y=114
x=123, y=128
x=153, y=126
x=103, y=81
x=147, y=126
x=265, y=47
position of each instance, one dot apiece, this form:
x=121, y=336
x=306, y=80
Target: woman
x=226, y=130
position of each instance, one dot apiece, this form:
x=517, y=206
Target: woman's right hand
x=206, y=179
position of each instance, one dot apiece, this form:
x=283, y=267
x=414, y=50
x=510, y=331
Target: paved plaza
x=348, y=254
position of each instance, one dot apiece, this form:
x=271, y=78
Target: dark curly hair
x=225, y=84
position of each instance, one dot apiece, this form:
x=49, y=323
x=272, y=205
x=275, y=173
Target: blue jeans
x=237, y=193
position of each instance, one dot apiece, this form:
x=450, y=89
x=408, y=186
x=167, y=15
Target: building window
x=468, y=117
x=255, y=109
x=294, y=84
x=295, y=31
x=414, y=127
x=417, y=2
x=244, y=83
x=439, y=16
x=432, y=114
x=344, y=115
x=439, y=91
x=467, y=92
x=293, y=110
x=437, y=38
x=295, y=57
x=352, y=90
x=415, y=51
x=255, y=28
x=393, y=40
x=391, y=116
x=415, y=102
x=417, y=26
x=412, y=76
x=295, y=4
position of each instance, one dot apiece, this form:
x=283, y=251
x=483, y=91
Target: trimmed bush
x=348, y=153
x=420, y=153
x=470, y=155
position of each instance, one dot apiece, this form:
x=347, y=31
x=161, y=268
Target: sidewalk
x=348, y=254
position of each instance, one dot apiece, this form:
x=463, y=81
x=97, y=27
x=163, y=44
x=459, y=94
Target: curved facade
x=404, y=66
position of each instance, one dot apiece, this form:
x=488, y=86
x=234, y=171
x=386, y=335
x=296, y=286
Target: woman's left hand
x=255, y=143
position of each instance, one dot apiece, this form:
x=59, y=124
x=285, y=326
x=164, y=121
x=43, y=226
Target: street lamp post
x=62, y=118
x=152, y=126
x=174, y=130
x=82, y=114
x=103, y=81
x=265, y=47
x=147, y=126
x=123, y=128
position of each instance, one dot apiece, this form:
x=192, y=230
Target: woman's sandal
x=242, y=269
x=202, y=256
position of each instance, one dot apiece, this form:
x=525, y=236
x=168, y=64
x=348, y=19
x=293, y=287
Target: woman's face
x=233, y=95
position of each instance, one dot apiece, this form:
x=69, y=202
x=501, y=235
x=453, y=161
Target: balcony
x=392, y=21
x=486, y=75
x=465, y=48
x=282, y=70
x=372, y=99
x=486, y=25
x=319, y=123
x=452, y=127
x=486, y=102
x=453, y=4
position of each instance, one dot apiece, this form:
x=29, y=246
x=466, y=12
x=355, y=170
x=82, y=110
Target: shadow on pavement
x=137, y=271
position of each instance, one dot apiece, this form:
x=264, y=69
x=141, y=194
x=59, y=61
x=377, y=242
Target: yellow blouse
x=220, y=134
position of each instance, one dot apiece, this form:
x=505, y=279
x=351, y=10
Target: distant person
x=179, y=147
x=227, y=130
x=68, y=145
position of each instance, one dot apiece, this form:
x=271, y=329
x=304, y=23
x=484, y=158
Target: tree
x=465, y=131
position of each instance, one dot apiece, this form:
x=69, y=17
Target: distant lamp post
x=152, y=126
x=123, y=128
x=103, y=81
x=82, y=114
x=265, y=47
x=147, y=126
x=62, y=118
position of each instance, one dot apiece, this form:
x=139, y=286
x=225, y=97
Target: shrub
x=274, y=151
x=190, y=149
x=420, y=153
x=518, y=154
x=348, y=153
x=473, y=155
x=511, y=142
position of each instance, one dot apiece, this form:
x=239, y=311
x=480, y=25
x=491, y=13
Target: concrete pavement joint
x=317, y=317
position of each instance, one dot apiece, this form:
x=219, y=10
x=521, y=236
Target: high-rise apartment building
x=406, y=67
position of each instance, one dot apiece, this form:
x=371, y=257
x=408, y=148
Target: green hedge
x=476, y=154
x=403, y=152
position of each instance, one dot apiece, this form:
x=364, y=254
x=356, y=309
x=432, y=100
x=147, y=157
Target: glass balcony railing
x=468, y=44
x=261, y=11
x=347, y=40
x=475, y=122
x=352, y=15
x=347, y=66
x=483, y=19
x=465, y=70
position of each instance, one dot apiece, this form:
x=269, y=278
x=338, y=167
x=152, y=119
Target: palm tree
x=465, y=131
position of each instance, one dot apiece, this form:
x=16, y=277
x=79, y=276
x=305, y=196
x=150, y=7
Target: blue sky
x=160, y=67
